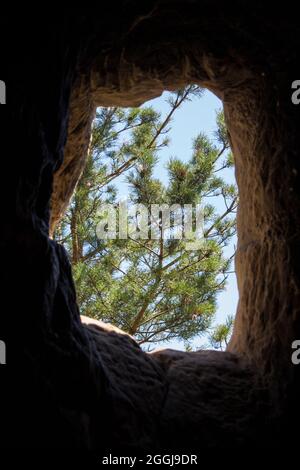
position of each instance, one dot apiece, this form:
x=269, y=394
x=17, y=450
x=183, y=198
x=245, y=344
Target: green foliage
x=220, y=336
x=156, y=289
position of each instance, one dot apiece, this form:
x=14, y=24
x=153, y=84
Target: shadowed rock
x=66, y=384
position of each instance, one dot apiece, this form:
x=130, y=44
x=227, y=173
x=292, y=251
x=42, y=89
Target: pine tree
x=221, y=333
x=157, y=288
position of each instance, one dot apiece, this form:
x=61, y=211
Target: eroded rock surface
x=69, y=385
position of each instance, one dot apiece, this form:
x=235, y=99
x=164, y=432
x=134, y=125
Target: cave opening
x=91, y=386
x=165, y=171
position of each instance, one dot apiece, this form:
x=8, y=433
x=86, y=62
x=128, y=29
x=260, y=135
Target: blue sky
x=197, y=115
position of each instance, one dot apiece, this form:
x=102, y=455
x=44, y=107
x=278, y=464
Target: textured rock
x=102, y=326
x=72, y=385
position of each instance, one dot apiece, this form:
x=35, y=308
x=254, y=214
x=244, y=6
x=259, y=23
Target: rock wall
x=72, y=385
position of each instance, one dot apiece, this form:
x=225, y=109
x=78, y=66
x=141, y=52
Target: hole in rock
x=150, y=229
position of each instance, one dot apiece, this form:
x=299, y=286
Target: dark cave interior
x=72, y=385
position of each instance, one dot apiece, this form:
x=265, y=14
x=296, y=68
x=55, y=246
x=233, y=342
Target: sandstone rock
x=66, y=384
